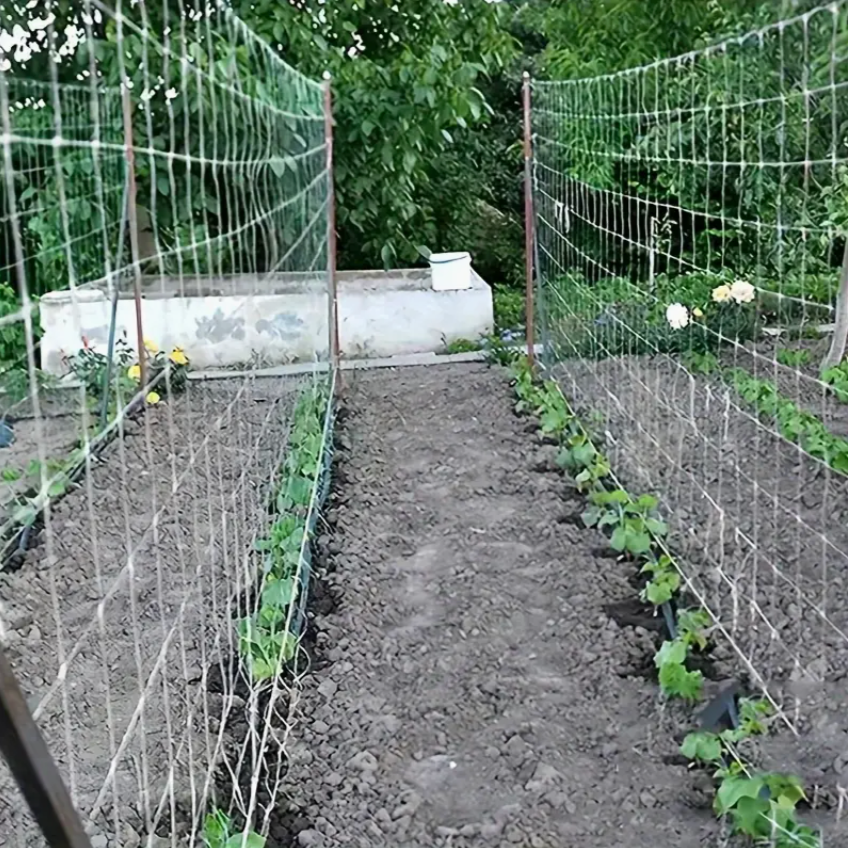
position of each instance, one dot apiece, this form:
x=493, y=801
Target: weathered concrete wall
x=221, y=322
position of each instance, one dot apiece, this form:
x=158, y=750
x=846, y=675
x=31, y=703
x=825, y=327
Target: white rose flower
x=677, y=316
x=742, y=291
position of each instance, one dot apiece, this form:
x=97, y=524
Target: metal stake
x=529, y=229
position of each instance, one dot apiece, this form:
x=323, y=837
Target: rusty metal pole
x=129, y=152
x=332, y=282
x=529, y=228
x=34, y=769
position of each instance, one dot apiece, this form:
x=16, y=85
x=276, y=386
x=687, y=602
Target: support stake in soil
x=721, y=711
x=529, y=236
x=34, y=769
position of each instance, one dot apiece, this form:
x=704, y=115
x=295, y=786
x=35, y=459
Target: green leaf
x=638, y=543
x=618, y=541
x=732, y=789
x=703, y=746
x=670, y=653
x=279, y=593
x=387, y=254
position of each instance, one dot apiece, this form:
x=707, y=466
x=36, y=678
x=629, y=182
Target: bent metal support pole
x=34, y=769
x=332, y=281
x=529, y=235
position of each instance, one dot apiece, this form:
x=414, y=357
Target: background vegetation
x=427, y=105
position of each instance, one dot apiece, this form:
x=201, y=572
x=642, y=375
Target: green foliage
x=760, y=805
x=459, y=346
x=509, y=307
x=836, y=378
x=633, y=523
x=406, y=79
x=763, y=806
x=577, y=453
x=13, y=335
x=265, y=638
x=702, y=363
x=218, y=833
x=664, y=581
x=90, y=368
x=692, y=626
x=500, y=352
x=795, y=424
x=793, y=358
x=674, y=678
x=614, y=316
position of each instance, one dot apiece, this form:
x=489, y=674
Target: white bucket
x=450, y=271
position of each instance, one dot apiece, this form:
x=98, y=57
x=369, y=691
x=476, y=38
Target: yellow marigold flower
x=134, y=372
x=178, y=357
x=697, y=312
x=151, y=347
x=721, y=294
x=153, y=398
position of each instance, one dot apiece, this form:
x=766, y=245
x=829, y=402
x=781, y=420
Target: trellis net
x=691, y=231
x=164, y=184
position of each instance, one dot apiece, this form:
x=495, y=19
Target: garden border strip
x=760, y=804
x=24, y=514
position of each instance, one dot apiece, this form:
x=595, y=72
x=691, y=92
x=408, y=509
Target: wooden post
x=332, y=282
x=529, y=228
x=129, y=153
x=34, y=769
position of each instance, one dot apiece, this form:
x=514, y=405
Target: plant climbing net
x=692, y=264
x=164, y=176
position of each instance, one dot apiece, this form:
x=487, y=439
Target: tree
x=407, y=82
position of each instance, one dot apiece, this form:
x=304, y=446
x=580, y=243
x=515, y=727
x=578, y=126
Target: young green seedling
x=218, y=833
x=793, y=358
x=591, y=476
x=554, y=415
x=693, y=626
x=675, y=679
x=836, y=379
x=577, y=454
x=633, y=521
x=264, y=639
x=664, y=582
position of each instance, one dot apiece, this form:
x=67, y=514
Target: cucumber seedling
x=218, y=833
x=634, y=525
x=676, y=681
x=664, y=581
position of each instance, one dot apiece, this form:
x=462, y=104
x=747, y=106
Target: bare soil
x=52, y=435
x=124, y=608
x=762, y=533
x=472, y=687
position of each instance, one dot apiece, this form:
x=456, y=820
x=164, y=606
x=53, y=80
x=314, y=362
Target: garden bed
x=475, y=691
x=135, y=583
x=55, y=434
x=761, y=529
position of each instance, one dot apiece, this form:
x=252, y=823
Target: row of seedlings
x=269, y=638
x=796, y=425
x=759, y=805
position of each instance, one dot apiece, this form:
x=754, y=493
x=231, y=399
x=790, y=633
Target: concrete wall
x=277, y=319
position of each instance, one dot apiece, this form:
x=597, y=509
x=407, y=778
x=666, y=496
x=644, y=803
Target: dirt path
x=474, y=690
